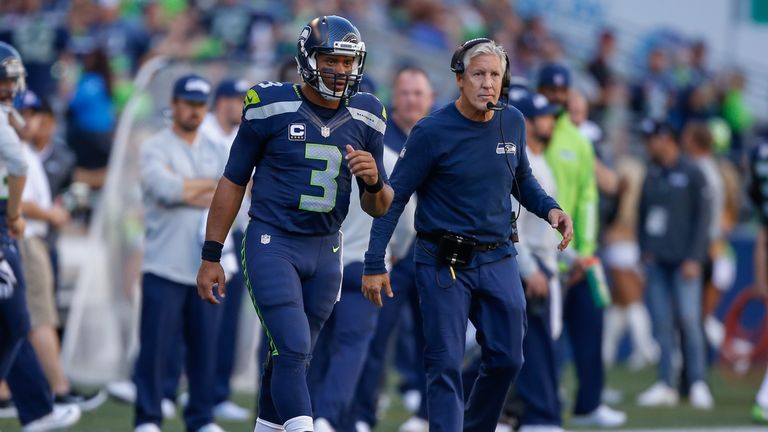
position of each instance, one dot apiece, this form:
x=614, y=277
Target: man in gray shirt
x=179, y=172
x=673, y=227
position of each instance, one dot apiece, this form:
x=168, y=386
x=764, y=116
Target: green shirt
x=572, y=160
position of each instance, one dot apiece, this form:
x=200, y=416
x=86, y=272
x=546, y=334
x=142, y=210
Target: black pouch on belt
x=456, y=250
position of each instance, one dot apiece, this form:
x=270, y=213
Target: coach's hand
x=209, y=275
x=372, y=285
x=362, y=164
x=563, y=223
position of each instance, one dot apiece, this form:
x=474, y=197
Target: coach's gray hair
x=486, y=48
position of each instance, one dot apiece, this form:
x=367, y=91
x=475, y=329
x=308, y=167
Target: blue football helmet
x=11, y=67
x=331, y=35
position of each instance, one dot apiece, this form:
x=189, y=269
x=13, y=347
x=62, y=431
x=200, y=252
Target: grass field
x=733, y=398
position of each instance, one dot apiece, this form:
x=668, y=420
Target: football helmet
x=12, y=67
x=331, y=35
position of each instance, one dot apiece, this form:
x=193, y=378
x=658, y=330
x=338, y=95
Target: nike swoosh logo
x=336, y=248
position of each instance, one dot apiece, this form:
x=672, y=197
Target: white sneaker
x=230, y=411
x=147, y=427
x=414, y=424
x=124, y=391
x=361, y=426
x=658, y=394
x=168, y=408
x=62, y=416
x=602, y=417
x=323, y=425
x=211, y=427
x=412, y=400
x=700, y=397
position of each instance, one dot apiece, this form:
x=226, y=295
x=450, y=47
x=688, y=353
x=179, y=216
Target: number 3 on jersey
x=325, y=179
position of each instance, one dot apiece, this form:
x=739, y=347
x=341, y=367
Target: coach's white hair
x=486, y=48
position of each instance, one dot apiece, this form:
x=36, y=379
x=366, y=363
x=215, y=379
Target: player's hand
x=362, y=165
x=690, y=269
x=210, y=275
x=16, y=226
x=536, y=285
x=372, y=285
x=563, y=223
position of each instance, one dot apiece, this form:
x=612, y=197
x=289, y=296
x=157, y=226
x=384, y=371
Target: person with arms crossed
x=178, y=177
x=306, y=143
x=18, y=363
x=463, y=160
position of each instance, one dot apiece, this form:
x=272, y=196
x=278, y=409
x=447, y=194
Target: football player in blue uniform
x=305, y=143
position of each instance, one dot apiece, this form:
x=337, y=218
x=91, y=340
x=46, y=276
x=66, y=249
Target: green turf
x=733, y=400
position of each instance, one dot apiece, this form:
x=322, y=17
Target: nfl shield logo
x=325, y=131
x=266, y=238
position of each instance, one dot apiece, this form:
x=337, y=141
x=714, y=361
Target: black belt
x=480, y=247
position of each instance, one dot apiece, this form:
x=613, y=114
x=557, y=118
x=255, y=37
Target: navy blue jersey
x=462, y=171
x=301, y=182
x=758, y=187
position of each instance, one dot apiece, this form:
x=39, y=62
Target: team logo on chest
x=506, y=148
x=297, y=132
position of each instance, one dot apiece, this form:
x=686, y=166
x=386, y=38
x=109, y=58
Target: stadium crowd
x=653, y=165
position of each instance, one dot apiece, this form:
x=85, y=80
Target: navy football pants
x=491, y=296
x=18, y=363
x=167, y=307
x=294, y=283
x=338, y=359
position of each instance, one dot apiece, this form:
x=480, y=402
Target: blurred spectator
x=42, y=214
x=427, y=24
x=126, y=41
x=652, y=93
x=736, y=112
x=602, y=69
x=673, y=232
x=241, y=32
x=699, y=71
x=91, y=118
x=40, y=38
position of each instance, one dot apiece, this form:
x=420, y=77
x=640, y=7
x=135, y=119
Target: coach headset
x=457, y=67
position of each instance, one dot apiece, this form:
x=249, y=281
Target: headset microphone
x=494, y=107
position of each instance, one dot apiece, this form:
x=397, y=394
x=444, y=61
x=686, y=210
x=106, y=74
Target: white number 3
x=270, y=84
